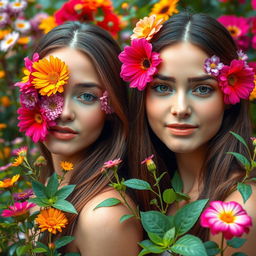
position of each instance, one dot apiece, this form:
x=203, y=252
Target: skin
x=182, y=93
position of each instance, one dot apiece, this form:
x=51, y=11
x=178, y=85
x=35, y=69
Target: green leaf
x=161, y=176
x=236, y=242
x=253, y=179
x=38, y=202
x=21, y=250
x=155, y=238
x=176, y=182
x=212, y=248
x=169, y=237
x=63, y=241
x=245, y=191
x=144, y=252
x=52, y=185
x=181, y=196
x=137, y=184
x=39, y=244
x=239, y=138
x=125, y=217
x=65, y=206
x=169, y=196
x=39, y=250
x=189, y=245
x=150, y=247
x=242, y=159
x=108, y=202
x=155, y=222
x=65, y=191
x=239, y=254
x=39, y=189
x=186, y=217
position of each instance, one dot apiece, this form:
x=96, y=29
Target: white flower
x=22, y=26
x=8, y=41
x=17, y=6
x=3, y=5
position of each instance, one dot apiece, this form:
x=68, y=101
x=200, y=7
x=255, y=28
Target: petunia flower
x=18, y=209
x=236, y=81
x=228, y=218
x=9, y=182
x=139, y=63
x=213, y=65
x=9, y=41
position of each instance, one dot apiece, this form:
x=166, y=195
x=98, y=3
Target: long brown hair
x=111, y=144
x=208, y=34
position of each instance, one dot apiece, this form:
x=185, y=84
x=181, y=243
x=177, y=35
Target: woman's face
x=82, y=119
x=184, y=104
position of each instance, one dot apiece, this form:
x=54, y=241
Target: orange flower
x=5, y=153
x=23, y=40
x=2, y=74
x=2, y=126
x=165, y=8
x=147, y=27
x=50, y=75
x=47, y=24
x=66, y=166
x=4, y=32
x=6, y=183
x=52, y=220
x=5, y=101
x=18, y=161
x=253, y=93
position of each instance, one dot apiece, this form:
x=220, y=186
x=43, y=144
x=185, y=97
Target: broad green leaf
x=137, y=184
x=239, y=138
x=21, y=250
x=39, y=250
x=38, y=202
x=169, y=196
x=189, y=245
x=65, y=191
x=236, y=242
x=242, y=159
x=65, y=206
x=151, y=247
x=155, y=238
x=212, y=248
x=144, y=252
x=181, y=196
x=176, y=182
x=39, y=244
x=253, y=179
x=125, y=217
x=52, y=185
x=245, y=191
x=169, y=237
x=186, y=217
x=39, y=189
x=239, y=254
x=108, y=202
x=63, y=241
x=155, y=222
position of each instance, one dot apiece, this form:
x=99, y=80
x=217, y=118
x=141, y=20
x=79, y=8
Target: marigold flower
x=47, y=24
x=139, y=63
x=228, y=218
x=24, y=40
x=18, y=209
x=18, y=161
x=52, y=220
x=66, y=166
x=147, y=27
x=50, y=75
x=8, y=182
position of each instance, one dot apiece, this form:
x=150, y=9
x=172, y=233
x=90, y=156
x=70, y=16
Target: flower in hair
x=236, y=81
x=147, y=27
x=29, y=99
x=242, y=55
x=104, y=103
x=213, y=65
x=139, y=63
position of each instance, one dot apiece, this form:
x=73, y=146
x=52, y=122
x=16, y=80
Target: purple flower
x=17, y=6
x=105, y=106
x=30, y=99
x=3, y=5
x=242, y=55
x=4, y=19
x=23, y=195
x=213, y=65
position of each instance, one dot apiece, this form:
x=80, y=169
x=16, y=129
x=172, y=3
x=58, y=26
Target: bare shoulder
x=99, y=231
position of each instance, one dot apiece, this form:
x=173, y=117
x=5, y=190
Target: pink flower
x=254, y=4
x=110, y=164
x=236, y=81
x=24, y=195
x=254, y=42
x=242, y=55
x=33, y=123
x=17, y=209
x=139, y=63
x=29, y=99
x=5, y=167
x=226, y=217
x=104, y=103
x=147, y=160
x=22, y=151
x=213, y=65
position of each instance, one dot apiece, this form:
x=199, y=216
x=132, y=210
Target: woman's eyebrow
x=201, y=78
x=165, y=78
x=87, y=85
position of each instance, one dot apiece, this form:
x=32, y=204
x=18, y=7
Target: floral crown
x=236, y=80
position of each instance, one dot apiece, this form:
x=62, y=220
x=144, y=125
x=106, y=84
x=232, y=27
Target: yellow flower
x=147, y=27
x=47, y=24
x=2, y=74
x=5, y=101
x=66, y=166
x=50, y=75
x=165, y=8
x=2, y=126
x=52, y=220
x=18, y=161
x=6, y=183
x=4, y=32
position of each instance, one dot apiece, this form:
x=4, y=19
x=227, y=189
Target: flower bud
x=40, y=161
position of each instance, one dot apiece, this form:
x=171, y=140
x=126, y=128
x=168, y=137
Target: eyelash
x=209, y=90
x=92, y=98
x=157, y=88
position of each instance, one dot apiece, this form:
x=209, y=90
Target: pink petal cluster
x=111, y=163
x=212, y=65
x=24, y=195
x=254, y=4
x=139, y=63
x=228, y=218
x=19, y=208
x=104, y=103
x=236, y=81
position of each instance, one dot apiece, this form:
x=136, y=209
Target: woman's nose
x=67, y=113
x=180, y=106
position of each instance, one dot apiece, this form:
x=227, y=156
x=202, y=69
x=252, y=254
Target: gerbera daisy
x=50, y=75
x=9, y=41
x=17, y=6
x=254, y=4
x=147, y=27
x=228, y=218
x=22, y=26
x=165, y=8
x=236, y=81
x=66, y=166
x=8, y=182
x=18, y=161
x=253, y=93
x=22, y=151
x=139, y=63
x=18, y=209
x=33, y=123
x=52, y=220
x=47, y=24
x=24, y=195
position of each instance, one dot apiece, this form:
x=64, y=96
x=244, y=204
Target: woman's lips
x=182, y=129
x=63, y=133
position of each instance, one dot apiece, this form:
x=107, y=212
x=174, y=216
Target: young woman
x=90, y=130
x=184, y=115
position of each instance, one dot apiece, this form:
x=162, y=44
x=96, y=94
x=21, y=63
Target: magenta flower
x=17, y=209
x=254, y=4
x=213, y=65
x=5, y=167
x=29, y=99
x=104, y=103
x=229, y=218
x=111, y=164
x=254, y=42
x=236, y=81
x=24, y=195
x=147, y=160
x=22, y=151
x=4, y=19
x=139, y=63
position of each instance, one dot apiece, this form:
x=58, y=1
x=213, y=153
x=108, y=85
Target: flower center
x=21, y=25
x=227, y=217
x=234, y=31
x=145, y=63
x=17, y=4
x=232, y=80
x=51, y=222
x=164, y=9
x=38, y=118
x=7, y=182
x=213, y=65
x=9, y=41
x=53, y=77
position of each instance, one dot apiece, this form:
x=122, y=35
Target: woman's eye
x=162, y=88
x=203, y=90
x=87, y=97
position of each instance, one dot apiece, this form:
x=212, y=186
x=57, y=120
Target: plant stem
x=221, y=246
